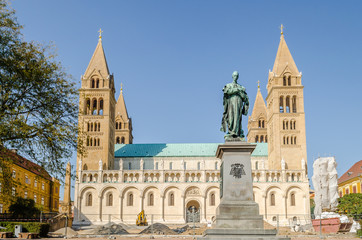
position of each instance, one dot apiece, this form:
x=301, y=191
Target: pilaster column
x=141, y=202
x=204, y=209
x=265, y=206
x=142, y=176
x=162, y=208
x=203, y=176
x=162, y=176
x=79, y=208
x=183, y=208
x=100, y=208
x=285, y=206
x=121, y=208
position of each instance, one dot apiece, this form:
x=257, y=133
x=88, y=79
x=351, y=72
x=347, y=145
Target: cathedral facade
x=175, y=183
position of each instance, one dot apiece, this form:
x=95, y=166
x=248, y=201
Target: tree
x=350, y=204
x=23, y=208
x=38, y=102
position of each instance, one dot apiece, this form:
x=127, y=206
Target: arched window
x=259, y=123
x=91, y=127
x=118, y=141
x=274, y=219
x=292, y=199
x=289, y=81
x=130, y=200
x=212, y=199
x=98, y=142
x=294, y=125
x=261, y=138
x=92, y=83
x=156, y=165
x=171, y=201
x=198, y=166
x=150, y=199
x=99, y=127
x=129, y=166
x=295, y=140
x=116, y=125
x=94, y=107
x=294, y=104
x=91, y=178
x=284, y=125
x=119, y=125
x=262, y=124
x=256, y=138
x=88, y=106
x=87, y=141
x=215, y=165
x=88, y=126
x=287, y=103
x=95, y=127
x=97, y=83
x=266, y=138
x=100, y=107
x=122, y=140
x=170, y=165
x=89, y=200
x=284, y=140
x=110, y=200
x=281, y=104
x=284, y=81
x=91, y=142
x=287, y=140
x=256, y=165
x=272, y=199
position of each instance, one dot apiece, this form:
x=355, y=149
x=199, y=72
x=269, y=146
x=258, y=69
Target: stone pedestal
x=237, y=216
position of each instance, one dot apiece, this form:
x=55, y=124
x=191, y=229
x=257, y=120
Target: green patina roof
x=177, y=150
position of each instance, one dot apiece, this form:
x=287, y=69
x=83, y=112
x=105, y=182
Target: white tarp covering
x=325, y=182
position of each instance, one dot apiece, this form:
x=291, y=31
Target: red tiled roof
x=25, y=163
x=354, y=171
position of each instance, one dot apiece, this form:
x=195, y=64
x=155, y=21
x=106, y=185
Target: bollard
x=277, y=224
x=152, y=237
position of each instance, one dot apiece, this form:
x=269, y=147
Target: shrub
x=35, y=227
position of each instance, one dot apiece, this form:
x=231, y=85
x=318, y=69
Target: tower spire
x=284, y=58
x=98, y=61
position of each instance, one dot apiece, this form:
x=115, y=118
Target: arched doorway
x=193, y=211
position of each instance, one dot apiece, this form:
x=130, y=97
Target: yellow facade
x=351, y=186
x=351, y=181
x=27, y=184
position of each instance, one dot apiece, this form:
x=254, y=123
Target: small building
x=350, y=181
x=29, y=180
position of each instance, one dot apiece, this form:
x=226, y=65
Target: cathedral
x=117, y=179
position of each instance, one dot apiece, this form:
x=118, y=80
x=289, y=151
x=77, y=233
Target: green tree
x=23, y=208
x=38, y=101
x=350, y=204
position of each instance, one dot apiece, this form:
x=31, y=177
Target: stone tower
x=285, y=113
x=123, y=122
x=96, y=113
x=257, y=128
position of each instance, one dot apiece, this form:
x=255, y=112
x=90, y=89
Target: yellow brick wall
x=50, y=192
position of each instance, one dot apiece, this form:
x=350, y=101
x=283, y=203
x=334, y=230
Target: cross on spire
x=258, y=84
x=281, y=29
x=100, y=33
x=121, y=87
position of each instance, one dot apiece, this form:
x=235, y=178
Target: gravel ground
x=183, y=237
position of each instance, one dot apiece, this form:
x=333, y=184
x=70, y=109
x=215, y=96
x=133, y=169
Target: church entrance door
x=193, y=211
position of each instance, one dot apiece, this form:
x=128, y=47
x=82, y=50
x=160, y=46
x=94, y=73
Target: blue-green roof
x=177, y=150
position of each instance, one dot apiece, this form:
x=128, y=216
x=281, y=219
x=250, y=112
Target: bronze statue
x=236, y=104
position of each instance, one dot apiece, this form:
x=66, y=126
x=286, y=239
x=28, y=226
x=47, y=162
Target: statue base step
x=233, y=234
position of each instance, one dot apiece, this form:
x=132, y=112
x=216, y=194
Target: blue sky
x=174, y=57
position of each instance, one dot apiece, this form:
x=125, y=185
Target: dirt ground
x=183, y=237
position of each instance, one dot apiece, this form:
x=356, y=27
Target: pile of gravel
x=70, y=232
x=158, y=229
x=110, y=229
x=182, y=229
